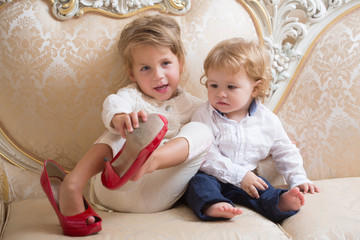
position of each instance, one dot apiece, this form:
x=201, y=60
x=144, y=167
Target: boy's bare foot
x=291, y=200
x=222, y=209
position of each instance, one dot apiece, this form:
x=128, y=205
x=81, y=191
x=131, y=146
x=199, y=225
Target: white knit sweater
x=177, y=110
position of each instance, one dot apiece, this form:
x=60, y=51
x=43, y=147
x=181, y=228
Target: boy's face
x=231, y=94
x=156, y=71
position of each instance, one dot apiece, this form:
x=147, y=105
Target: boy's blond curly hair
x=232, y=54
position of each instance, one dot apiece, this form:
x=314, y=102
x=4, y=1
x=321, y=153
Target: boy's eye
x=165, y=63
x=231, y=87
x=213, y=85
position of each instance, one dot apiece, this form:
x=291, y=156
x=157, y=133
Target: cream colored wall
x=322, y=110
x=55, y=74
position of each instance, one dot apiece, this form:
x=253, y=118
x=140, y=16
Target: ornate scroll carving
x=287, y=28
x=3, y=2
x=65, y=9
x=16, y=156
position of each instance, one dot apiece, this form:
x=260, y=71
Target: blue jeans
x=205, y=190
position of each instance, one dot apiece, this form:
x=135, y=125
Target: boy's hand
x=251, y=183
x=308, y=187
x=127, y=122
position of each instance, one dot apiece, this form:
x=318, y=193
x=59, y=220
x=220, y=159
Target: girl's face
x=156, y=71
x=231, y=94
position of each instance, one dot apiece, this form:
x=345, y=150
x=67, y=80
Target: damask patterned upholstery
x=56, y=74
x=322, y=110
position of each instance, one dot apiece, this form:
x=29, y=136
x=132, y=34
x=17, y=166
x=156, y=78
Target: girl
x=154, y=60
x=245, y=132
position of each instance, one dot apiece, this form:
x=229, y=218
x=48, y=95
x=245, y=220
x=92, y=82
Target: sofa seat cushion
x=334, y=213
x=37, y=220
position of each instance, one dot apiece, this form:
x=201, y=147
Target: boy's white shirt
x=238, y=147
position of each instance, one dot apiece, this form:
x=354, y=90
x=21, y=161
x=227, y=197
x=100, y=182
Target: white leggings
x=159, y=190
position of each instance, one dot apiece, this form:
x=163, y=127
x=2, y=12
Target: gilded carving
x=65, y=9
x=287, y=29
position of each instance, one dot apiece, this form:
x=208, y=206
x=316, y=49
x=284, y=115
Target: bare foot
x=222, y=209
x=71, y=201
x=291, y=200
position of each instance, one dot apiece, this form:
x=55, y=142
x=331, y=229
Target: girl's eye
x=231, y=87
x=145, y=68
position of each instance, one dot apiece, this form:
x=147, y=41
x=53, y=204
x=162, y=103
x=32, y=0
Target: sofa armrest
x=2, y=217
x=18, y=184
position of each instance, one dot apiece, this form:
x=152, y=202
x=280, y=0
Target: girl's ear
x=131, y=75
x=256, y=88
x=181, y=67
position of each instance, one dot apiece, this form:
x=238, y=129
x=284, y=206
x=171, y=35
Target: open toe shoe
x=50, y=180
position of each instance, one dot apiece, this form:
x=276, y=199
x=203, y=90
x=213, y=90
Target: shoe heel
x=109, y=177
x=76, y=225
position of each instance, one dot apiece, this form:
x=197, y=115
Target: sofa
x=59, y=61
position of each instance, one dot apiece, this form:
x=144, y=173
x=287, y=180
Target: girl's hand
x=127, y=122
x=308, y=187
x=251, y=183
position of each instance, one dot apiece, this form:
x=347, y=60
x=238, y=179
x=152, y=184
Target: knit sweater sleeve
x=121, y=102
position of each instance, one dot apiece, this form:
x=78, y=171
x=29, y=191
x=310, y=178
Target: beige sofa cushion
x=326, y=215
x=334, y=213
x=38, y=221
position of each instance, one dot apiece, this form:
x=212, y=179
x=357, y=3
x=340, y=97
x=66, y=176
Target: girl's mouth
x=161, y=88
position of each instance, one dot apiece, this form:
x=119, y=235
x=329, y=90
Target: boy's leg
x=266, y=205
x=160, y=189
x=203, y=191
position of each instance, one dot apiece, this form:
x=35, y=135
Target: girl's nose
x=158, y=74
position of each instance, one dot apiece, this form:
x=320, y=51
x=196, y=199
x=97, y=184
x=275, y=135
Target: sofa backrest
x=321, y=111
x=55, y=74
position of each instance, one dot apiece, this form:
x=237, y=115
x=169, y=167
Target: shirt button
x=168, y=108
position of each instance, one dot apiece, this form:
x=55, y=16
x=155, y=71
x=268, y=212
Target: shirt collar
x=253, y=107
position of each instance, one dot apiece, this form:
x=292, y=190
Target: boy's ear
x=256, y=88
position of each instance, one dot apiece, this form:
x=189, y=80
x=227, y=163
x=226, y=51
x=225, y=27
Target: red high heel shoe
x=138, y=146
x=76, y=225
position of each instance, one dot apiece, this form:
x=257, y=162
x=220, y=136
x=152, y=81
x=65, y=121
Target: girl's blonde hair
x=155, y=30
x=232, y=54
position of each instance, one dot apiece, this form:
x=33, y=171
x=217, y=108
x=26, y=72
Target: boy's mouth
x=222, y=103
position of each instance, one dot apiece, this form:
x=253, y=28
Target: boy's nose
x=221, y=93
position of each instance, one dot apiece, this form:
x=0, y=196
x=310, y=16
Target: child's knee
x=199, y=138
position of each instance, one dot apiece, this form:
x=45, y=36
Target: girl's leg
x=71, y=189
x=176, y=162
x=168, y=155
